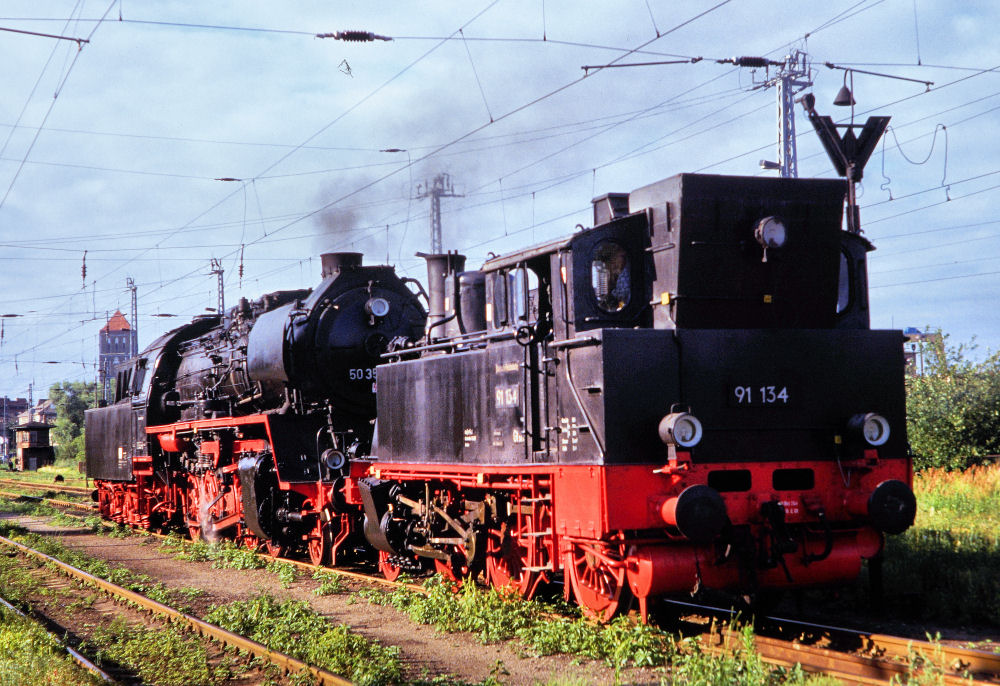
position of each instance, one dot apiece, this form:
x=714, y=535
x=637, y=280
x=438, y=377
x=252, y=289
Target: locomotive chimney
x=439, y=266
x=335, y=262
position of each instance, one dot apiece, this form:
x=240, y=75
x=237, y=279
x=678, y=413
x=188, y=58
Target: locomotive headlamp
x=770, y=233
x=871, y=427
x=333, y=459
x=377, y=307
x=681, y=429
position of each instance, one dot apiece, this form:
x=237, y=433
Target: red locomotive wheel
x=506, y=566
x=598, y=581
x=320, y=544
x=455, y=569
x=389, y=570
x=194, y=531
x=275, y=549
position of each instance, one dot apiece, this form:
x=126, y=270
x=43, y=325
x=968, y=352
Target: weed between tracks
x=126, y=578
x=228, y=555
x=329, y=584
x=295, y=629
x=167, y=656
x=31, y=657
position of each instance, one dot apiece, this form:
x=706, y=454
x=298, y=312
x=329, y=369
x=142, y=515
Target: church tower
x=118, y=342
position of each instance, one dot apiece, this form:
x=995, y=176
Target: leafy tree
x=953, y=409
x=71, y=400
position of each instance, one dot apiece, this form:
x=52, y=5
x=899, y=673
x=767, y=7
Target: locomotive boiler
x=240, y=424
x=687, y=395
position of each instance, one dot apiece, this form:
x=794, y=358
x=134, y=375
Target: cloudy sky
x=184, y=131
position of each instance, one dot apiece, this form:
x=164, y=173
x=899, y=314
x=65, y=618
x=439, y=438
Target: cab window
x=844, y=284
x=499, y=300
x=524, y=294
x=610, y=276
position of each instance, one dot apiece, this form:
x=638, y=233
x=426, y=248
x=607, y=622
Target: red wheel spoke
x=598, y=582
x=389, y=570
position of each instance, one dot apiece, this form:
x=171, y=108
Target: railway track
x=59, y=488
x=79, y=507
x=852, y=655
x=859, y=657
x=202, y=628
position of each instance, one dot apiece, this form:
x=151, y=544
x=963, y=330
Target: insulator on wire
x=751, y=61
x=354, y=36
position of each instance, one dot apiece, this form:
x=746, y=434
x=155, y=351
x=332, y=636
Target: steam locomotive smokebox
x=335, y=262
x=711, y=271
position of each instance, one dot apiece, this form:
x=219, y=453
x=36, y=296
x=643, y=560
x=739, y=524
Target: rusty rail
x=958, y=659
x=52, y=501
x=75, y=490
x=877, y=658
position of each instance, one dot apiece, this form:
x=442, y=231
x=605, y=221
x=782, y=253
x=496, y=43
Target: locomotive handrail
x=579, y=342
x=451, y=343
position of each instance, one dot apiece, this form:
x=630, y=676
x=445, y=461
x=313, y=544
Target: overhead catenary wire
x=507, y=193
x=48, y=112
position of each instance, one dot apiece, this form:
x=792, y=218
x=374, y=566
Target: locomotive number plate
x=759, y=396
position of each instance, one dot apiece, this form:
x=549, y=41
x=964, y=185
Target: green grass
x=944, y=569
x=739, y=663
x=295, y=629
x=622, y=644
x=329, y=583
x=34, y=508
x=29, y=656
x=492, y=616
x=46, y=475
x=228, y=555
x=165, y=656
x=16, y=581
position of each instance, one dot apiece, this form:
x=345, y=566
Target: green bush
x=71, y=400
x=953, y=408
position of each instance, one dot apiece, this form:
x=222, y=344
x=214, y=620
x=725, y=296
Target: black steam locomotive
x=686, y=395
x=239, y=426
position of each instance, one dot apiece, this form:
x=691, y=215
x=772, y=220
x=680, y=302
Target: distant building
x=33, y=449
x=10, y=409
x=44, y=411
x=918, y=344
x=118, y=342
